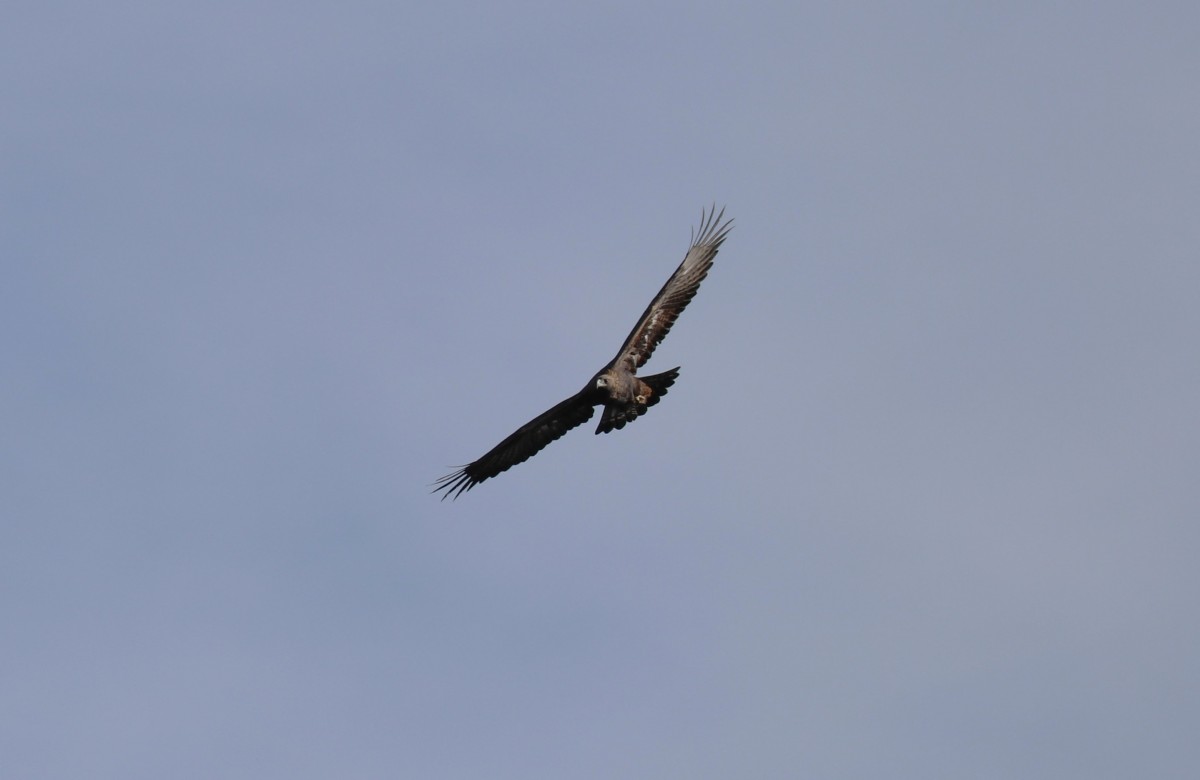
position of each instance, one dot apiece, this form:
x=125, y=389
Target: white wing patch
x=637, y=358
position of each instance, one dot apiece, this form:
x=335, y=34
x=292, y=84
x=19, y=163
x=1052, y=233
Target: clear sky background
x=924, y=503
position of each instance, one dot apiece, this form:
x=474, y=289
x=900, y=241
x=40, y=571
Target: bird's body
x=616, y=387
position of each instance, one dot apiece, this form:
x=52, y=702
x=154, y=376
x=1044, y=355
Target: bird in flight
x=624, y=395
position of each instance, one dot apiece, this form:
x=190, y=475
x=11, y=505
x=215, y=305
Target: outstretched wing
x=679, y=290
x=522, y=445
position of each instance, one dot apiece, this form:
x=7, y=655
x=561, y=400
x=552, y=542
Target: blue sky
x=923, y=502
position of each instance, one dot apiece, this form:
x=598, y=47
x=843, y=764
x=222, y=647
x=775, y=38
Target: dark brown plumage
x=624, y=395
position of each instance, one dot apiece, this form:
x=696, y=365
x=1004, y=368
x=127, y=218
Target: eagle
x=624, y=395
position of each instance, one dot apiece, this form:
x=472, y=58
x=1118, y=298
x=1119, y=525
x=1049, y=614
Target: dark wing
x=522, y=445
x=666, y=307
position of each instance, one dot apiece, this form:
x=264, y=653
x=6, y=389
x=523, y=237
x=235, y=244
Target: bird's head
x=601, y=382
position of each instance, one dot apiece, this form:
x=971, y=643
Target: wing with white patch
x=679, y=290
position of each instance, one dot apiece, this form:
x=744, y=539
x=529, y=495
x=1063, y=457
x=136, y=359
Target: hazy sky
x=924, y=503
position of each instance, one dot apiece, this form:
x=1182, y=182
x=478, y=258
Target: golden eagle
x=624, y=395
